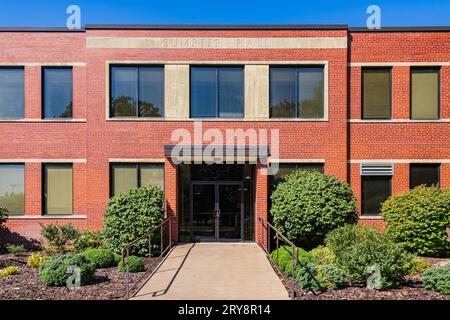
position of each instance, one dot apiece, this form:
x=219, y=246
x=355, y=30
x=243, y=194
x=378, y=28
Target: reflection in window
x=297, y=92
x=58, y=189
x=375, y=190
x=424, y=174
x=11, y=93
x=57, y=92
x=217, y=92
x=137, y=91
x=127, y=176
x=12, y=195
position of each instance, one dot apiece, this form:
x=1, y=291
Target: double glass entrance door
x=217, y=211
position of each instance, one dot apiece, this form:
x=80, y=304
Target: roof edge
x=39, y=29
x=401, y=29
x=215, y=27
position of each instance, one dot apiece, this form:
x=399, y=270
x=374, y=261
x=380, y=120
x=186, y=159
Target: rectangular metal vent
x=377, y=169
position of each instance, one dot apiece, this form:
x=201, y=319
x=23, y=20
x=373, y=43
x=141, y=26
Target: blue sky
x=46, y=13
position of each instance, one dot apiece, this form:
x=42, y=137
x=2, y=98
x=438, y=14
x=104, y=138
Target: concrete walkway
x=214, y=271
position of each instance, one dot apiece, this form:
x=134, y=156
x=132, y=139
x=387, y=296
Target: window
x=137, y=91
x=12, y=195
x=217, y=92
x=375, y=190
x=58, y=186
x=297, y=92
x=11, y=93
x=57, y=94
x=128, y=176
x=424, y=93
x=427, y=174
x=376, y=97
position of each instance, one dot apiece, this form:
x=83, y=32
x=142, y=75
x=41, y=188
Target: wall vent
x=377, y=169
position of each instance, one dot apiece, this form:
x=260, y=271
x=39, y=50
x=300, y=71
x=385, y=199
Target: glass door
x=203, y=211
x=230, y=214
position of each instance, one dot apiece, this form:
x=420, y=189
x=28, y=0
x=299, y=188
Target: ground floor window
x=126, y=176
x=12, y=195
x=424, y=174
x=58, y=188
x=375, y=190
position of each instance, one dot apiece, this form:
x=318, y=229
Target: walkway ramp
x=214, y=271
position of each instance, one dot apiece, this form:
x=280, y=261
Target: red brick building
x=86, y=114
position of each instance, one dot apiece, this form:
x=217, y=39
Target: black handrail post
x=150, y=245
x=128, y=274
x=162, y=239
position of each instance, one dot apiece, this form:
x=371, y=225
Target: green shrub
x=285, y=258
x=437, y=279
x=117, y=259
x=330, y=276
x=306, y=205
x=3, y=216
x=54, y=272
x=89, y=240
x=130, y=214
x=101, y=258
x=36, y=259
x=15, y=249
x=9, y=271
x=366, y=249
x=307, y=278
x=323, y=255
x=59, y=238
x=418, y=220
x=135, y=264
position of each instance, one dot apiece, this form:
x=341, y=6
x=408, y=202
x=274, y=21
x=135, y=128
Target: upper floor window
x=11, y=93
x=376, y=93
x=58, y=188
x=424, y=174
x=286, y=168
x=57, y=92
x=217, y=92
x=297, y=92
x=425, y=93
x=12, y=191
x=137, y=91
x=125, y=176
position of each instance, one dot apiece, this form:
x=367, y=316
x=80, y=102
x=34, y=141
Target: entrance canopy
x=217, y=154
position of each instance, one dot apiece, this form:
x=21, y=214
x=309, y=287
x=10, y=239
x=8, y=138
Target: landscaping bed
x=107, y=284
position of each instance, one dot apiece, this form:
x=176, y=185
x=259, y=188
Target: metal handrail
x=278, y=235
x=148, y=235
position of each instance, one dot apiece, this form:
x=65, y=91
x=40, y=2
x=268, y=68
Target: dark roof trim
x=38, y=29
x=402, y=29
x=214, y=27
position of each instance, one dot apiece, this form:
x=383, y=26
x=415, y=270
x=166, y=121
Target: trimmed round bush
x=285, y=258
x=3, y=216
x=307, y=278
x=89, y=240
x=361, y=250
x=331, y=277
x=101, y=258
x=306, y=205
x=54, y=272
x=117, y=259
x=323, y=255
x=131, y=214
x=418, y=220
x=135, y=264
x=437, y=279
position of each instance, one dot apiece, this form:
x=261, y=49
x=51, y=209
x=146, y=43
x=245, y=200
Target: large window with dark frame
x=424, y=174
x=126, y=176
x=425, y=93
x=217, y=92
x=12, y=190
x=375, y=190
x=137, y=91
x=57, y=92
x=297, y=92
x=58, y=188
x=376, y=93
x=12, y=100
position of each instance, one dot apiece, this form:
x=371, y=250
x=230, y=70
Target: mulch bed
x=26, y=285
x=411, y=289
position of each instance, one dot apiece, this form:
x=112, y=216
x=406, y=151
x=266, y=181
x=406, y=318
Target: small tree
x=419, y=219
x=130, y=214
x=306, y=205
x=3, y=216
x=59, y=238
